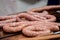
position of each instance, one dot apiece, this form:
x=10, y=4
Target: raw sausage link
x=10, y=29
x=38, y=14
x=45, y=8
x=42, y=29
x=7, y=17
x=35, y=31
x=50, y=18
x=15, y=27
x=9, y=26
x=18, y=26
x=44, y=16
x=9, y=20
x=28, y=17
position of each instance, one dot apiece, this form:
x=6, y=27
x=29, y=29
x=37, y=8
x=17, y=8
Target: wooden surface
x=22, y=37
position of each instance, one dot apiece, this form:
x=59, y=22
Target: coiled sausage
x=35, y=31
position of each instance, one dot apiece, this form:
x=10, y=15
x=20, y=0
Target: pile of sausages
x=32, y=23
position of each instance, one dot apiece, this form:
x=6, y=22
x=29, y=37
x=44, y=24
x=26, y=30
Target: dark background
x=53, y=2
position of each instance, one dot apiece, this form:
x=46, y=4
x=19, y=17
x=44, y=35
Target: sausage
x=18, y=26
x=52, y=26
x=15, y=27
x=16, y=23
x=9, y=20
x=35, y=31
x=50, y=18
x=36, y=13
x=40, y=29
x=44, y=16
x=7, y=17
x=28, y=17
x=12, y=27
x=45, y=8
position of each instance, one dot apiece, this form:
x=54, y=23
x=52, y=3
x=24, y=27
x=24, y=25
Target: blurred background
x=14, y=6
